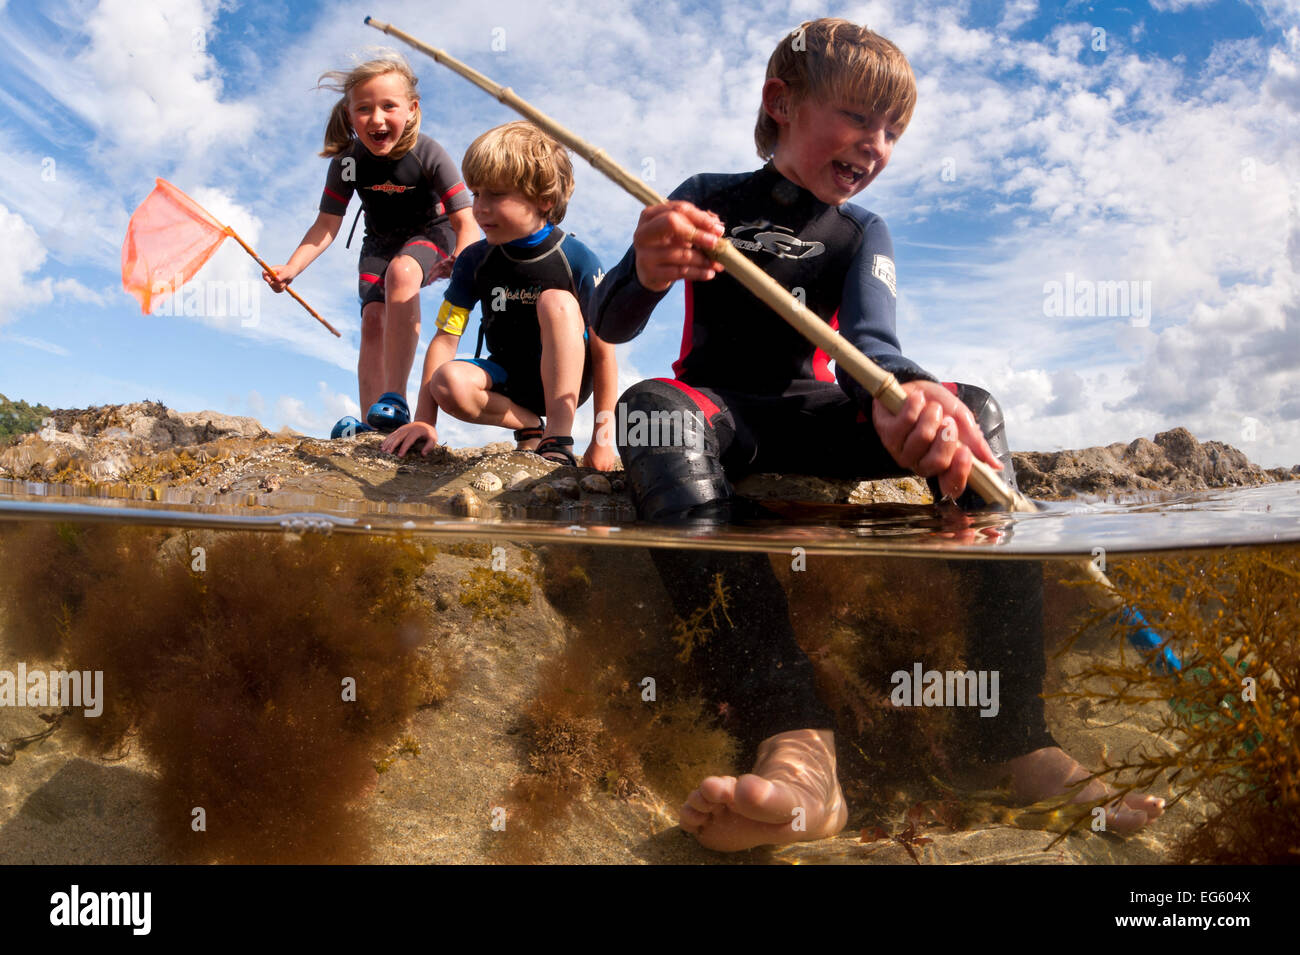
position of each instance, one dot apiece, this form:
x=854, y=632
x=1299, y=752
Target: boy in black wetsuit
x=760, y=397
x=534, y=283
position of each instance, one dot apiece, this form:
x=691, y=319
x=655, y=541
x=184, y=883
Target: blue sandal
x=389, y=413
x=349, y=426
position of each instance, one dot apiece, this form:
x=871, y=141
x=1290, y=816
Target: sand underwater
x=466, y=680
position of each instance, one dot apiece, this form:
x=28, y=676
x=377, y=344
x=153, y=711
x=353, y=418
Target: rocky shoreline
x=221, y=459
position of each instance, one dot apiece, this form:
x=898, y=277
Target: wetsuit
x=407, y=202
x=763, y=398
x=508, y=280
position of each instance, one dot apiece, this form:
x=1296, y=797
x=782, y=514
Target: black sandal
x=527, y=434
x=558, y=446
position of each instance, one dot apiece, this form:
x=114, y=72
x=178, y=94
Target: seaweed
x=259, y=687
x=1232, y=712
x=594, y=728
x=494, y=594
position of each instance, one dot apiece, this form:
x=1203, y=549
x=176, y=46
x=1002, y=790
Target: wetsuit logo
x=774, y=239
x=389, y=187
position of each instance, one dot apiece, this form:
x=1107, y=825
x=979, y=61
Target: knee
x=558, y=312
x=403, y=276
x=670, y=452
x=450, y=390
x=988, y=415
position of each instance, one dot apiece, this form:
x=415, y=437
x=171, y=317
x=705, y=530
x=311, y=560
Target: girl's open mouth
x=380, y=137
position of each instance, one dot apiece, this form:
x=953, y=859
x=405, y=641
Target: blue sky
x=1056, y=151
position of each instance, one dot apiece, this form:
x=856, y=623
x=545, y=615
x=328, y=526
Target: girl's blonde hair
x=832, y=58
x=520, y=156
x=338, y=129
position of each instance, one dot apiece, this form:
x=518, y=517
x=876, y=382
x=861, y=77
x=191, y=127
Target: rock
x=544, y=494
x=466, y=502
x=211, y=425
x=1174, y=461
x=144, y=444
x=566, y=487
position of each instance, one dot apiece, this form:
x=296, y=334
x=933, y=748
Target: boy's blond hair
x=338, y=129
x=833, y=59
x=520, y=156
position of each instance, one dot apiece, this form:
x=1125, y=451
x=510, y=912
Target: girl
x=418, y=220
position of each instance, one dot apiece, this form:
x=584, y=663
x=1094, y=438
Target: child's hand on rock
x=405, y=438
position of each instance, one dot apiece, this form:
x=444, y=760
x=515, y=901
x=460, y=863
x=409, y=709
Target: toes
x=718, y=790
x=1122, y=819
x=692, y=820
x=1152, y=806
x=701, y=804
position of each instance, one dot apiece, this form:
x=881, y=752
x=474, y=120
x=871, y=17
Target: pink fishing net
x=169, y=239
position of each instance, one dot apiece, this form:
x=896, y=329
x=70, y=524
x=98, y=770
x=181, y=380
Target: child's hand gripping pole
x=882, y=385
x=266, y=268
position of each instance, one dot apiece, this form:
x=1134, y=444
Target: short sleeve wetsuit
x=507, y=280
x=768, y=401
x=406, y=201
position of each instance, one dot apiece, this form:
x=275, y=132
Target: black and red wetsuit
x=407, y=202
x=766, y=400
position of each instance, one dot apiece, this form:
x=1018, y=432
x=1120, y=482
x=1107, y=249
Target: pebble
x=596, y=484
x=7, y=753
x=466, y=502
x=566, y=487
x=618, y=485
x=545, y=494
x=487, y=481
x=269, y=483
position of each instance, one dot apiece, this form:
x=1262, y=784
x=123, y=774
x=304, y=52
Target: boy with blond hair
x=534, y=283
x=761, y=398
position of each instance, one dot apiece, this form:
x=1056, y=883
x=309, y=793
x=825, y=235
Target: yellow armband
x=451, y=319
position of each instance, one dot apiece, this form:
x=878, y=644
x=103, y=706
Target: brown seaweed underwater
x=270, y=680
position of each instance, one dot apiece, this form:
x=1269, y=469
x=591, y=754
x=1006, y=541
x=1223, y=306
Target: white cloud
x=1017, y=13
x=38, y=343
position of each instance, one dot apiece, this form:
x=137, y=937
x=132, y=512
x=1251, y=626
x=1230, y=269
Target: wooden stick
x=880, y=383
x=270, y=271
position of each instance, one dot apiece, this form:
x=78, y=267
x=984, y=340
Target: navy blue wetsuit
x=406, y=201
x=766, y=400
x=508, y=280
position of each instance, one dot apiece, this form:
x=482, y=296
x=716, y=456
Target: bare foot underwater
x=793, y=794
x=1051, y=771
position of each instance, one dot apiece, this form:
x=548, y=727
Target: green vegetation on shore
x=18, y=417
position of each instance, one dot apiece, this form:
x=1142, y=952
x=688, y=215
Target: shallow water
x=226, y=640
x=1258, y=516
